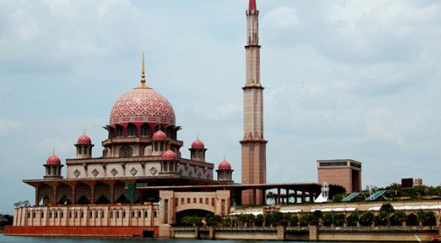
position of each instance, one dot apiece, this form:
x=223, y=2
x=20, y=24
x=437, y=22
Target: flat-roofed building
x=344, y=172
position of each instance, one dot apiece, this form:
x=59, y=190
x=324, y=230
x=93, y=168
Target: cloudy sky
x=344, y=79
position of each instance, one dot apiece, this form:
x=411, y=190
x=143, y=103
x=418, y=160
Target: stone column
x=92, y=193
x=313, y=233
x=55, y=188
x=303, y=195
x=112, y=192
x=74, y=194
x=281, y=233
x=278, y=196
x=37, y=196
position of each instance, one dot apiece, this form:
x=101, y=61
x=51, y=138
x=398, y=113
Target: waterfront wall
x=311, y=233
x=78, y=231
x=86, y=216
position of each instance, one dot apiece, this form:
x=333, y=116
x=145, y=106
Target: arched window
x=131, y=130
x=145, y=130
x=125, y=152
x=120, y=131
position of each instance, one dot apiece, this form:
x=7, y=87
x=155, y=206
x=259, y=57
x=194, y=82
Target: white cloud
x=282, y=18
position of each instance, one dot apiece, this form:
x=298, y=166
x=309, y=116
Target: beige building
x=343, y=172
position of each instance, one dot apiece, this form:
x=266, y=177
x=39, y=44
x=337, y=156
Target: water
x=19, y=239
x=16, y=239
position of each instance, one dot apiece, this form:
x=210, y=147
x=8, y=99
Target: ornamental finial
x=252, y=5
x=143, y=72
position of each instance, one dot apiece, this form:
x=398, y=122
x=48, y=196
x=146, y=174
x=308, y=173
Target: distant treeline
x=5, y=220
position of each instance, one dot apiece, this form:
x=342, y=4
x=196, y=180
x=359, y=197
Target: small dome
x=224, y=165
x=53, y=160
x=168, y=155
x=197, y=144
x=159, y=135
x=85, y=140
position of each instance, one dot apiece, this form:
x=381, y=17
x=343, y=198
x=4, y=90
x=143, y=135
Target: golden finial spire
x=143, y=72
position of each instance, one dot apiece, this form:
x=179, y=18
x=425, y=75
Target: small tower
x=84, y=147
x=53, y=167
x=169, y=163
x=198, y=150
x=224, y=172
x=160, y=143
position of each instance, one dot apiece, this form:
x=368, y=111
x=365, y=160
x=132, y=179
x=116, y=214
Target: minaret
x=253, y=142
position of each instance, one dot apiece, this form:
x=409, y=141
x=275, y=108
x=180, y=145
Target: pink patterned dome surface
x=84, y=140
x=168, y=155
x=159, y=135
x=142, y=104
x=53, y=160
x=224, y=165
x=197, y=144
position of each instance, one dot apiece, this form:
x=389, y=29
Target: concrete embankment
x=311, y=233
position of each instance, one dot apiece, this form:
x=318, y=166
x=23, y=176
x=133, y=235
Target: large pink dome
x=144, y=105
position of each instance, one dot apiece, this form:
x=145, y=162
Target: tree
x=315, y=217
x=328, y=219
x=426, y=218
x=382, y=219
x=214, y=220
x=338, y=197
x=367, y=219
x=353, y=219
x=191, y=220
x=277, y=218
x=260, y=220
x=304, y=220
x=268, y=219
x=388, y=208
x=6, y=220
x=336, y=189
x=286, y=218
x=294, y=220
x=339, y=219
x=227, y=222
x=243, y=219
x=398, y=218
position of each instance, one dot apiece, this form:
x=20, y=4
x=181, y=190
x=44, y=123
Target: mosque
x=141, y=181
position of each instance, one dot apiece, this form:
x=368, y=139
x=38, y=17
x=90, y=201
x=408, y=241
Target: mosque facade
x=141, y=181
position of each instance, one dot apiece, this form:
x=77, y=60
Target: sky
x=343, y=79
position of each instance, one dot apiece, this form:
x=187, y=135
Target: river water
x=16, y=239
